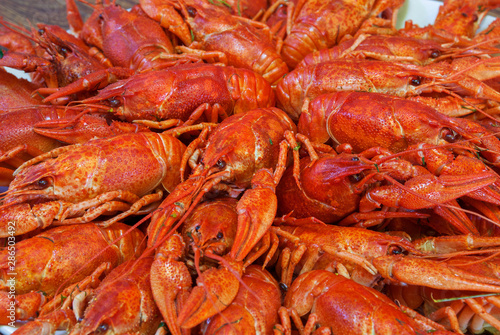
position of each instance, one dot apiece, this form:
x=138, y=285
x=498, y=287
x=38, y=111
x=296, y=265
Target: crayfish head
x=343, y=168
x=102, y=328
x=212, y=226
x=226, y=164
x=330, y=187
x=57, y=176
x=115, y=101
x=431, y=52
x=123, y=303
x=402, y=248
x=66, y=49
x=31, y=186
x=199, y=16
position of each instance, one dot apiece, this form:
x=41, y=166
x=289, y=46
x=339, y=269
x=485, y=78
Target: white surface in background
x=6, y=330
x=424, y=12
x=421, y=12
x=18, y=73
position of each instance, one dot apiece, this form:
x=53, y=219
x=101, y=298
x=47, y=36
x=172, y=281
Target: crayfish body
x=66, y=182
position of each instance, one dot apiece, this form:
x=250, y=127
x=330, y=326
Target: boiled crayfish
x=49, y=187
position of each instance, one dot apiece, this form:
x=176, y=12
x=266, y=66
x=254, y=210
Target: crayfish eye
x=354, y=178
x=396, y=250
x=41, y=31
x=355, y=159
x=435, y=54
x=64, y=51
x=451, y=136
x=191, y=11
x=474, y=17
x=221, y=164
x=114, y=102
x=43, y=183
x=415, y=81
x=283, y=287
x=102, y=328
x=197, y=228
x=219, y=235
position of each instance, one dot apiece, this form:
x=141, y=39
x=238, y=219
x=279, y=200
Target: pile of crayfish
x=251, y=167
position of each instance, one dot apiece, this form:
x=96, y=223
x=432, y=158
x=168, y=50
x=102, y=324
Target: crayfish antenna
x=93, y=6
x=17, y=29
x=3, y=194
x=459, y=244
x=87, y=128
x=59, y=124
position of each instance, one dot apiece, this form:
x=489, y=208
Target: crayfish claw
x=256, y=212
x=170, y=281
x=216, y=289
x=439, y=275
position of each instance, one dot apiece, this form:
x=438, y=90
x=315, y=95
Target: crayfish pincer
x=255, y=308
x=75, y=184
x=209, y=230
